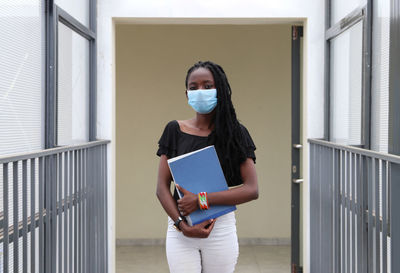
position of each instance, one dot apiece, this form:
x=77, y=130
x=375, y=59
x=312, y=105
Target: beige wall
x=151, y=67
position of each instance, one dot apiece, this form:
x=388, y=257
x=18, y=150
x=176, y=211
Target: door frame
x=296, y=146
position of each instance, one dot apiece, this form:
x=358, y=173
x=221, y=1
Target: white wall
x=309, y=11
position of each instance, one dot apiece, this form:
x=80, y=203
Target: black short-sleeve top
x=174, y=142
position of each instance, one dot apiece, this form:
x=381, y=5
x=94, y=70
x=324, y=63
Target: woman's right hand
x=201, y=230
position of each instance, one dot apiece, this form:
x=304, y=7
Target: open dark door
x=297, y=33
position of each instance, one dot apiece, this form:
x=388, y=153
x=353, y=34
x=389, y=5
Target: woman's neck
x=203, y=121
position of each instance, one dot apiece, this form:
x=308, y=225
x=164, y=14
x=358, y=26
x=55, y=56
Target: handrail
x=378, y=155
x=352, y=207
x=41, y=153
x=68, y=207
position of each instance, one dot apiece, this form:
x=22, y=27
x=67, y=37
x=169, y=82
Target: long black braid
x=227, y=135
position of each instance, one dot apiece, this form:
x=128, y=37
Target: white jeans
x=216, y=254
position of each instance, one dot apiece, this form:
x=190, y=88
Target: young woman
x=211, y=246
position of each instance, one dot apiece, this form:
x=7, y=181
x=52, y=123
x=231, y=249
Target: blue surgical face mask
x=203, y=101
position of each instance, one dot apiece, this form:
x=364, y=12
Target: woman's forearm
x=235, y=196
x=242, y=194
x=167, y=201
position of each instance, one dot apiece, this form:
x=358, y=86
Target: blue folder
x=200, y=171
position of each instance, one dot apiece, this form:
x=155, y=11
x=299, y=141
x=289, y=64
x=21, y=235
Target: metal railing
x=352, y=209
x=53, y=211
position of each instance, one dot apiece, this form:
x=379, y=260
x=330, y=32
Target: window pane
x=21, y=92
x=21, y=97
x=73, y=87
x=341, y=8
x=380, y=76
x=79, y=9
x=346, y=86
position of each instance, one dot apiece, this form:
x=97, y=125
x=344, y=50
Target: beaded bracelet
x=203, y=201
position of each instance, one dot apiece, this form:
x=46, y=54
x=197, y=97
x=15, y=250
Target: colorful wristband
x=203, y=201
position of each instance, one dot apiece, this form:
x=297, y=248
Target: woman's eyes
x=207, y=86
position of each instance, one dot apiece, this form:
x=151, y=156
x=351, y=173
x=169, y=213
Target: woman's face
x=200, y=78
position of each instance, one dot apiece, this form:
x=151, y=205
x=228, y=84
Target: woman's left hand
x=188, y=203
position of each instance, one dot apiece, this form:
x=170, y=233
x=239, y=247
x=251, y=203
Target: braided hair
x=227, y=135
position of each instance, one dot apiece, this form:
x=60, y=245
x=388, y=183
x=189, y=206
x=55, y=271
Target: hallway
x=252, y=259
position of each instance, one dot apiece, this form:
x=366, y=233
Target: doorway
x=151, y=65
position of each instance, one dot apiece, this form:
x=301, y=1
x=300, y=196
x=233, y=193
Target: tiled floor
x=252, y=259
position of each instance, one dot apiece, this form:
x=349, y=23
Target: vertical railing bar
x=92, y=211
x=104, y=224
x=384, y=217
x=100, y=212
x=47, y=205
x=54, y=220
x=370, y=178
x=96, y=211
x=101, y=215
x=377, y=218
x=330, y=206
x=324, y=208
x=60, y=210
x=86, y=215
x=79, y=209
x=313, y=248
x=336, y=244
x=15, y=214
x=24, y=217
x=343, y=208
x=53, y=200
x=394, y=216
x=389, y=195
x=316, y=205
x=106, y=206
x=348, y=212
x=65, y=243
x=84, y=207
x=33, y=213
x=321, y=206
x=345, y=212
x=353, y=212
x=75, y=204
x=359, y=212
x=41, y=211
x=321, y=212
x=314, y=212
x=365, y=223
x=97, y=202
x=89, y=212
x=70, y=204
x=5, y=218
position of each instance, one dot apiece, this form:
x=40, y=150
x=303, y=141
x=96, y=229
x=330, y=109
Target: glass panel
x=341, y=8
x=380, y=76
x=21, y=90
x=73, y=87
x=79, y=9
x=346, y=86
